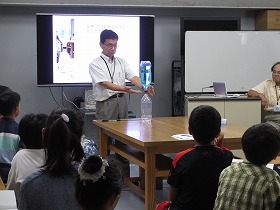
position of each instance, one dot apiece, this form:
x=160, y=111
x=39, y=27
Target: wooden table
x=155, y=138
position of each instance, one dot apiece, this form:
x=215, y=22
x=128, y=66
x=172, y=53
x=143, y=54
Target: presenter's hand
x=151, y=90
x=134, y=91
x=127, y=88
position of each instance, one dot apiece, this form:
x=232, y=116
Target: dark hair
x=272, y=67
x=62, y=141
x=205, y=123
x=261, y=143
x=3, y=88
x=108, y=34
x=95, y=194
x=9, y=101
x=30, y=130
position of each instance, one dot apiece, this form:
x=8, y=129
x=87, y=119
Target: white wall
x=18, y=52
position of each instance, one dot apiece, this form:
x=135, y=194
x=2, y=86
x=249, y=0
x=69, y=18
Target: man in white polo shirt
x=108, y=75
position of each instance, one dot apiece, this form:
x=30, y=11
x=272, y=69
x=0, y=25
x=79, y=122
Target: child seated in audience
x=9, y=139
x=30, y=159
x=195, y=173
x=99, y=184
x=53, y=187
x=2, y=89
x=250, y=184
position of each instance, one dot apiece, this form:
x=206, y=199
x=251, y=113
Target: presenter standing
x=269, y=92
x=108, y=75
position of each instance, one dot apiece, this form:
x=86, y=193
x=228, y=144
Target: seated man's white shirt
x=268, y=89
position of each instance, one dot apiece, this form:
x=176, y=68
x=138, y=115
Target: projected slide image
x=76, y=44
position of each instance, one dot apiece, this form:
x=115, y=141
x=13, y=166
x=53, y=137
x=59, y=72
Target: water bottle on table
x=146, y=73
x=146, y=101
x=146, y=108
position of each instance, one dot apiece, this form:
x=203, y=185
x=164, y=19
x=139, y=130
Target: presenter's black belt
x=117, y=95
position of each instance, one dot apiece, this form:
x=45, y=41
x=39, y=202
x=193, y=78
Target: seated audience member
x=250, y=184
x=53, y=187
x=195, y=172
x=99, y=183
x=268, y=92
x=9, y=139
x=30, y=159
x=2, y=89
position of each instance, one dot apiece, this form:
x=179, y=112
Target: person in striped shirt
x=250, y=184
x=9, y=139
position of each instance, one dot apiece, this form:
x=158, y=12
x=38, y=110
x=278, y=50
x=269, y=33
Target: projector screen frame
x=45, y=50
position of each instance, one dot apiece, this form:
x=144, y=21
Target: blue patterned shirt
x=9, y=139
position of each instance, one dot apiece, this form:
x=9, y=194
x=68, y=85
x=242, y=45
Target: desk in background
x=152, y=139
x=241, y=111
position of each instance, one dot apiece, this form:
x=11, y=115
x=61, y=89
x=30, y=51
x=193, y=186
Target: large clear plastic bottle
x=146, y=108
x=146, y=73
x=146, y=101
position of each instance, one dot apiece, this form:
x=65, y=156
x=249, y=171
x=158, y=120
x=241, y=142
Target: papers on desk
x=7, y=199
x=234, y=160
x=183, y=136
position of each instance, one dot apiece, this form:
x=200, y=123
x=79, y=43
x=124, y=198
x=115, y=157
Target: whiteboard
x=241, y=59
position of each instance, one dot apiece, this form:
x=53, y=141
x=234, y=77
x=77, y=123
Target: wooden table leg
x=150, y=183
x=103, y=138
x=142, y=178
x=159, y=180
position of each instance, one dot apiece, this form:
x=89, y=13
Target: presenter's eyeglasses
x=111, y=46
x=275, y=72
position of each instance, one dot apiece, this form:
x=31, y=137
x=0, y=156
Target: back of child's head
x=99, y=181
x=9, y=101
x=261, y=143
x=3, y=88
x=30, y=130
x=205, y=124
x=62, y=141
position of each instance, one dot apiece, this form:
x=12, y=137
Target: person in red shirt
x=195, y=172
